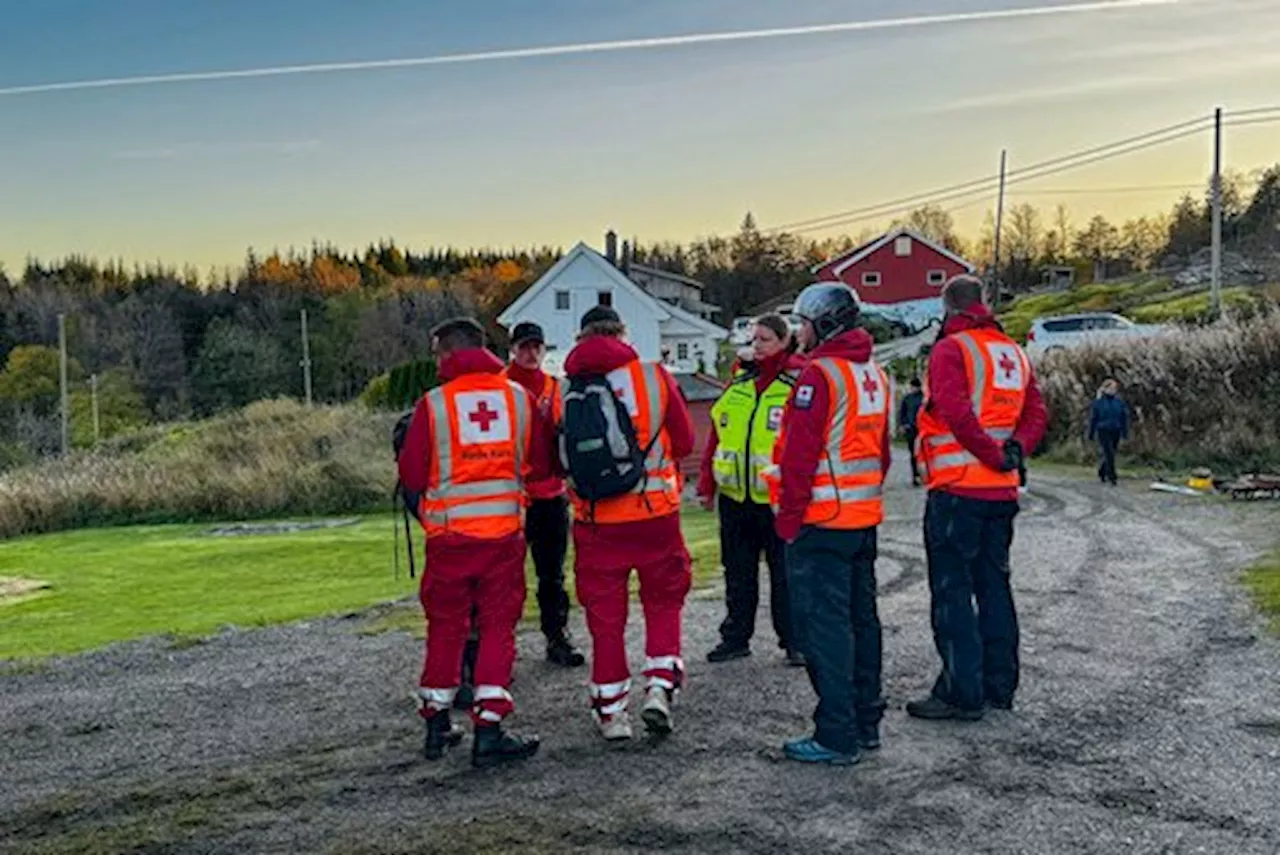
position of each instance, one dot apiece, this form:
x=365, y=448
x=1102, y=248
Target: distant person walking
x=908, y=412
x=1109, y=426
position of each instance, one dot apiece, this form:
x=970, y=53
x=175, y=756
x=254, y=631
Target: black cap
x=600, y=315
x=527, y=331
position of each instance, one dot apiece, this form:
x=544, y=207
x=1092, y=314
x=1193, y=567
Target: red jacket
x=805, y=430
x=536, y=381
x=415, y=454
x=648, y=541
x=767, y=371
x=949, y=400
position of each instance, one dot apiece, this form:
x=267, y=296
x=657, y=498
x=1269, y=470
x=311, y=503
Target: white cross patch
x=873, y=397
x=625, y=388
x=483, y=417
x=1006, y=364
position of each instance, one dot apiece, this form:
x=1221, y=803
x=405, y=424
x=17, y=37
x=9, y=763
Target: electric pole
x=994, y=298
x=62, y=375
x=306, y=359
x=1216, y=288
x=93, y=391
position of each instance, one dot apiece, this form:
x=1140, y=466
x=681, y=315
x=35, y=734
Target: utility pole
x=93, y=391
x=994, y=298
x=1216, y=291
x=62, y=375
x=306, y=358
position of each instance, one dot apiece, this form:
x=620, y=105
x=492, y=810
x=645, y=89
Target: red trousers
x=605, y=555
x=459, y=574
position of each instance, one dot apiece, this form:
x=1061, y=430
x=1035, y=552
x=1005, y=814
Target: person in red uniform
x=471, y=445
x=638, y=532
x=832, y=458
x=982, y=414
x=547, y=520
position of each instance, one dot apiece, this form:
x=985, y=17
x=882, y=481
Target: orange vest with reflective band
x=848, y=485
x=643, y=389
x=999, y=373
x=550, y=404
x=480, y=431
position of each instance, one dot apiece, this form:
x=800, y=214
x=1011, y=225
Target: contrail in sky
x=584, y=48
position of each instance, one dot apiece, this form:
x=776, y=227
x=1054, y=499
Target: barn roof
x=853, y=256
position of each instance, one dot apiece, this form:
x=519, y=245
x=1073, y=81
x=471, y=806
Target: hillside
x=1146, y=300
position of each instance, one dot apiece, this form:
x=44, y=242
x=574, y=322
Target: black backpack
x=598, y=445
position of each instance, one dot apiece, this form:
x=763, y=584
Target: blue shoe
x=808, y=750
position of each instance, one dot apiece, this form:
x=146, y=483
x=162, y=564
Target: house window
x=871, y=278
x=682, y=351
x=937, y=277
x=604, y=298
x=902, y=247
x=562, y=301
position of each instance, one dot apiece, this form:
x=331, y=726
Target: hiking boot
x=809, y=750
x=657, y=711
x=465, y=697
x=796, y=659
x=493, y=746
x=441, y=735
x=1000, y=704
x=936, y=709
x=726, y=652
x=560, y=651
x=614, y=728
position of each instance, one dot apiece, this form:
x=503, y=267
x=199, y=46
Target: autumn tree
x=1098, y=243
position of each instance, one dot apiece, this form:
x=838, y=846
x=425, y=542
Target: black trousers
x=547, y=530
x=1108, y=442
x=910, y=433
x=746, y=531
x=975, y=623
x=832, y=579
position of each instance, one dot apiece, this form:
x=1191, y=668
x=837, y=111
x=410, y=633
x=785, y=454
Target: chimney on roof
x=611, y=247
x=626, y=257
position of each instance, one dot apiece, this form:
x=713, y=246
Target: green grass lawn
x=1263, y=580
x=108, y=585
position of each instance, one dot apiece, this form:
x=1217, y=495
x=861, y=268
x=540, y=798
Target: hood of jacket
x=853, y=345
x=471, y=360
x=975, y=317
x=598, y=354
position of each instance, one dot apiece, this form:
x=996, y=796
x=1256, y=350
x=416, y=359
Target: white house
x=668, y=329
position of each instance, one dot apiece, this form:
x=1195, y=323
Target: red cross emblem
x=484, y=417
x=1007, y=365
x=871, y=387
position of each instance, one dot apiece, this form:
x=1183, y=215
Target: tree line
x=161, y=344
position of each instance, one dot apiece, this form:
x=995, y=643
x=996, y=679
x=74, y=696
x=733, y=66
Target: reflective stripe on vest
x=475, y=484
x=999, y=374
x=642, y=388
x=848, y=486
x=747, y=428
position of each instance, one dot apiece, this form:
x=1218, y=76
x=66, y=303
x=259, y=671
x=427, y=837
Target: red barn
x=899, y=267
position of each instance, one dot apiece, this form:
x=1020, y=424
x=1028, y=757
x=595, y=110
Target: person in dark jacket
x=908, y=411
x=1109, y=425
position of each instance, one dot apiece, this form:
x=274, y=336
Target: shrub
x=272, y=458
x=1209, y=395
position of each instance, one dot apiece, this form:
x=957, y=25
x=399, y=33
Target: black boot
x=492, y=747
x=441, y=734
x=560, y=651
x=936, y=709
x=727, y=651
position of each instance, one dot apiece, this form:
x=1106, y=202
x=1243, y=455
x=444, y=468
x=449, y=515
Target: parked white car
x=743, y=329
x=1068, y=331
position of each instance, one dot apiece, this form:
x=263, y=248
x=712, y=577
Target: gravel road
x=1149, y=721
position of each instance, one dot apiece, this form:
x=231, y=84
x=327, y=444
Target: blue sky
x=668, y=143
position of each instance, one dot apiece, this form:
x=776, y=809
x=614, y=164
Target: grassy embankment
x=120, y=535
x=1263, y=580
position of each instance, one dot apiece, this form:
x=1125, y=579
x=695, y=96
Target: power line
x=1043, y=169
x=1098, y=191
x=1206, y=122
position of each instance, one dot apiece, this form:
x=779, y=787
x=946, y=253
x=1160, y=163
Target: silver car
x=1063, y=332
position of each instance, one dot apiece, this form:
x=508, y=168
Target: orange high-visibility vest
x=643, y=389
x=550, y=404
x=848, y=485
x=481, y=430
x=999, y=373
